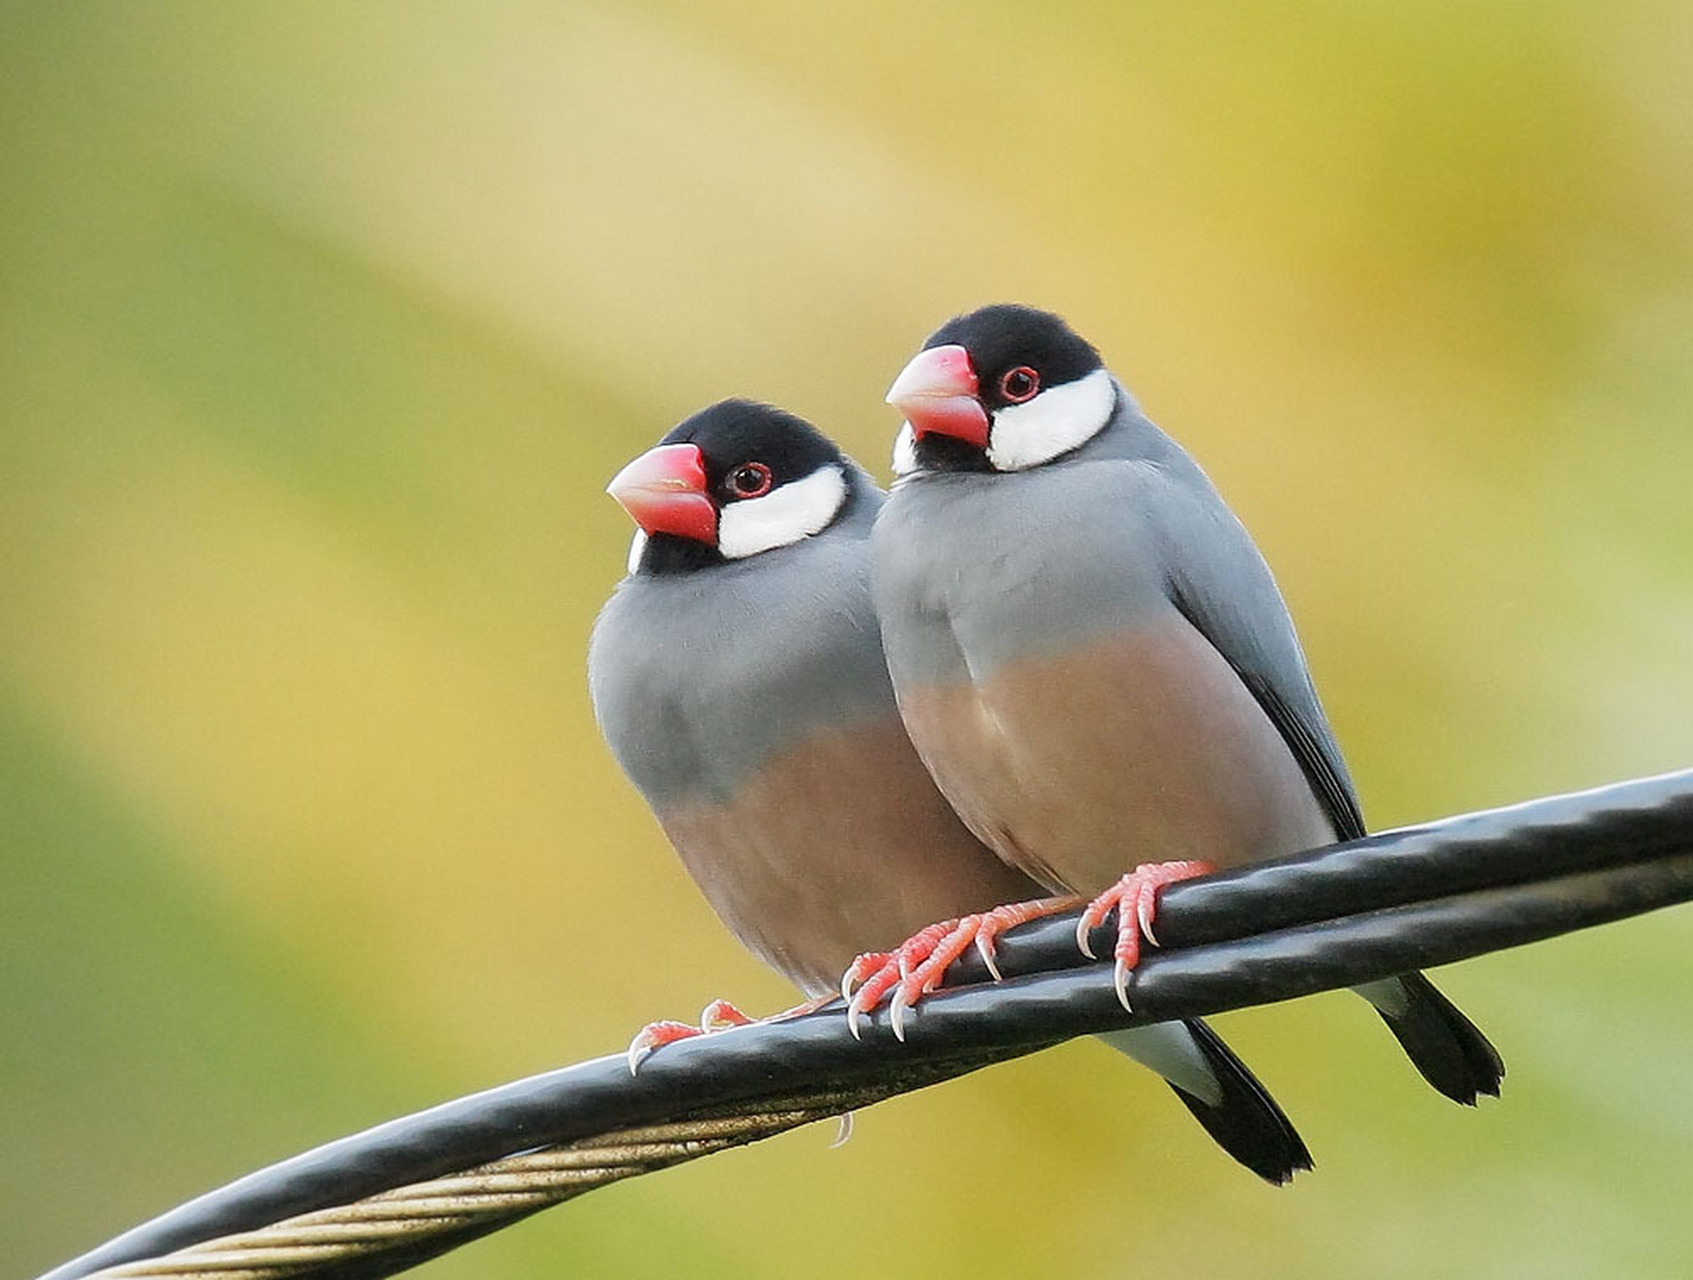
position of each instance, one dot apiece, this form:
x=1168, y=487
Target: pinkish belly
x=1140, y=747
x=838, y=845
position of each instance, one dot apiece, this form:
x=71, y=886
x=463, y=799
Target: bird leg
x=914, y=968
x=719, y=1015
x=1135, y=897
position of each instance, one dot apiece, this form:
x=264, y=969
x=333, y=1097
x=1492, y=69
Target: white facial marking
x=786, y=514
x=1054, y=422
x=905, y=451
x=637, y=545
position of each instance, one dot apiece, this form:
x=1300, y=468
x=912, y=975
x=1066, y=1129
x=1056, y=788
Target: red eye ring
x=749, y=480
x=1019, y=384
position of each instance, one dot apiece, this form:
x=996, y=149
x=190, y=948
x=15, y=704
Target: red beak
x=937, y=392
x=663, y=490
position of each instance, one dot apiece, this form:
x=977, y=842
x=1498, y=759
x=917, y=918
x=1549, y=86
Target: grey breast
x=698, y=678
x=751, y=706
x=1068, y=706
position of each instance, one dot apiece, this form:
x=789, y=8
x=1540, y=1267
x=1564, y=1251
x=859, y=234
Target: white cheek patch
x=786, y=514
x=637, y=546
x=1054, y=422
x=905, y=451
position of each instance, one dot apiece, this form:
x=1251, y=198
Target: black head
x=1002, y=388
x=1017, y=351
x=735, y=479
x=733, y=434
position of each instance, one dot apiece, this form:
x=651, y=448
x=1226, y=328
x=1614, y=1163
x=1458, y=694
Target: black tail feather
x=1443, y=1044
x=1247, y=1123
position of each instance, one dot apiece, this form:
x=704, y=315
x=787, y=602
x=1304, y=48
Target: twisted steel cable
x=446, y=1211
x=378, y=1202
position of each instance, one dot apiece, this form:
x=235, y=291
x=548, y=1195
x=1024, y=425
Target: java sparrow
x=737, y=676
x=1091, y=655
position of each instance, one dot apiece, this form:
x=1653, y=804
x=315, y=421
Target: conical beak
x=937, y=393
x=663, y=491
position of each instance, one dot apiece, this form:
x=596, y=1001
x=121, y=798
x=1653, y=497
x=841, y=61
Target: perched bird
x=737, y=675
x=1091, y=656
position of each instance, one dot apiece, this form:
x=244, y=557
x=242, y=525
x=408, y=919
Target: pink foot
x=1135, y=897
x=914, y=968
x=719, y=1015
x=655, y=1035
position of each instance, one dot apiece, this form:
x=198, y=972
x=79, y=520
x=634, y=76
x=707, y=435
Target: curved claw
x=1145, y=906
x=850, y=978
x=985, y=949
x=720, y=1015
x=918, y=964
x=857, y=1007
x=896, y=1014
x=716, y=1016
x=1135, y=898
x=844, y=1132
x=862, y=966
x=654, y=1035
x=878, y=973
x=1084, y=926
x=1120, y=980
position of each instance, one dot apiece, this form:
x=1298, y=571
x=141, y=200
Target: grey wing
x=1216, y=577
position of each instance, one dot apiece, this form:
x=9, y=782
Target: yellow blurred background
x=321, y=328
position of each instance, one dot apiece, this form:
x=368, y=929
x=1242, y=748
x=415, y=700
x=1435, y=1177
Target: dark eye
x=749, y=480
x=1020, y=384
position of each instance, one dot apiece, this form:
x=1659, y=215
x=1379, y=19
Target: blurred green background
x=321, y=328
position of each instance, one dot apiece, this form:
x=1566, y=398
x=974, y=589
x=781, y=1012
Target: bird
x=737, y=676
x=1092, y=657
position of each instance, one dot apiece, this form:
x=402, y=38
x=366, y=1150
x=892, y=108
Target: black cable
x=1353, y=913
x=1626, y=822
